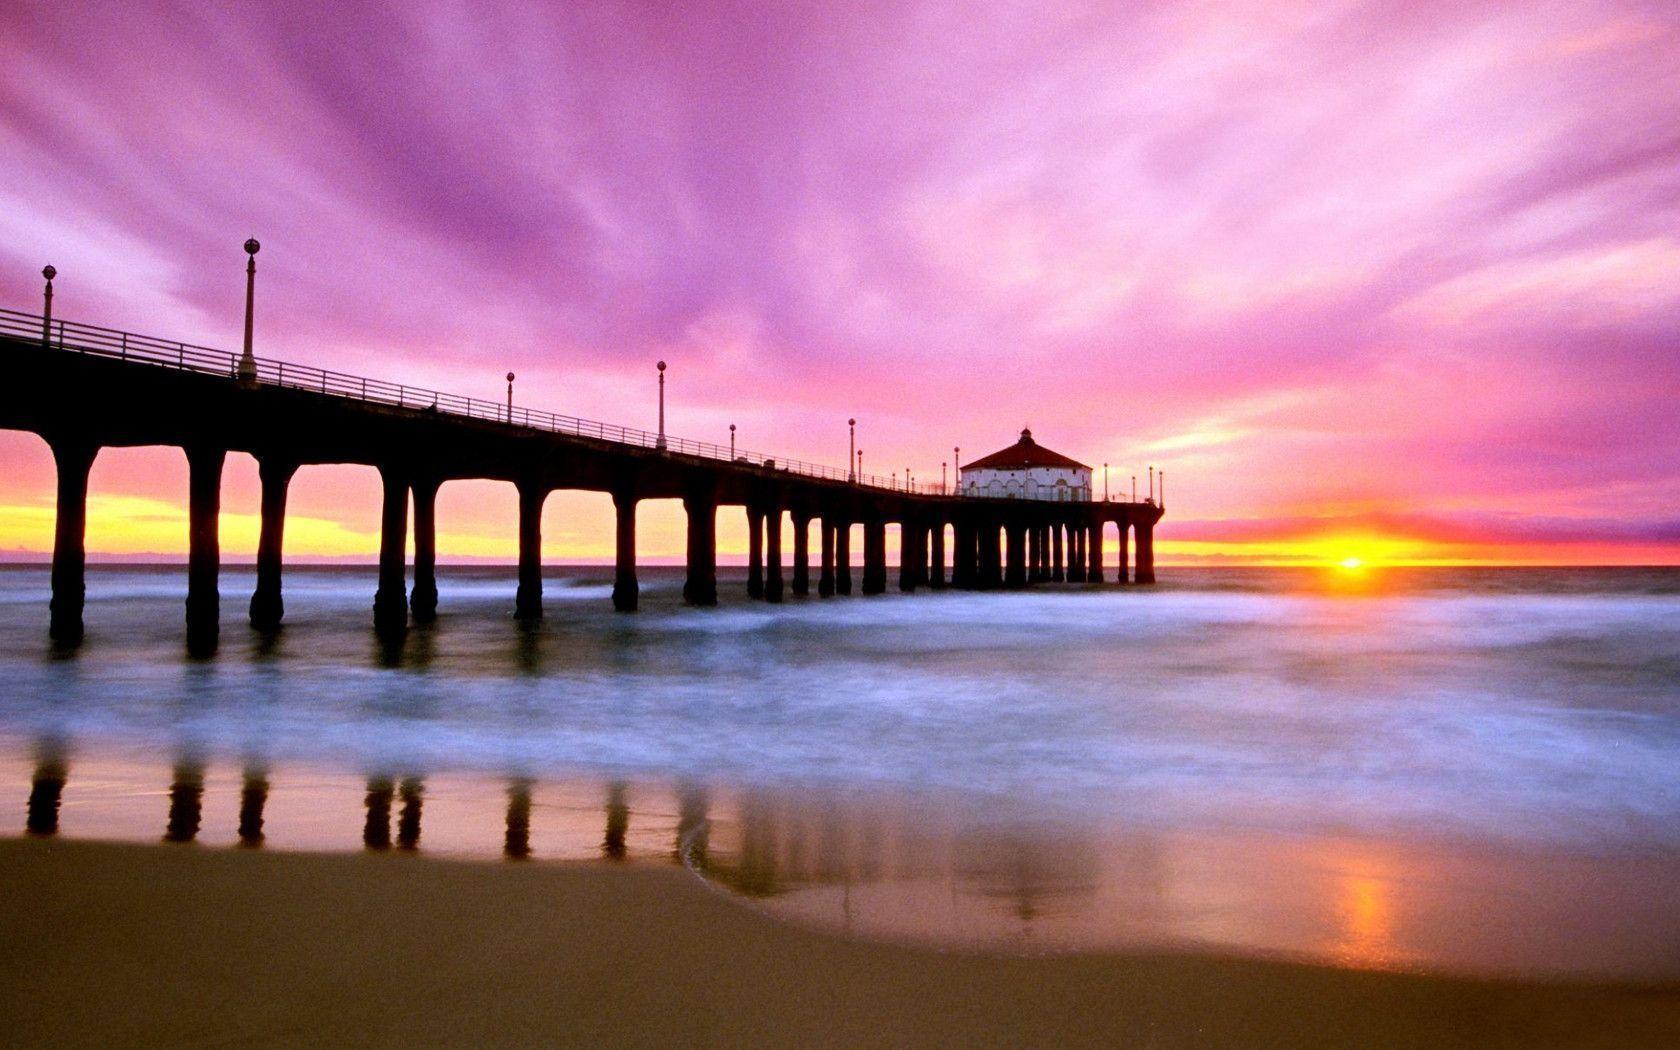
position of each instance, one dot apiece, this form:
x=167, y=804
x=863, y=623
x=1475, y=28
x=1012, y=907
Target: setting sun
x=1352, y=563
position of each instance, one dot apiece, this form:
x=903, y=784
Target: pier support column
x=390, y=601
x=1145, y=552
x=907, y=556
x=990, y=556
x=1094, y=564
x=1057, y=573
x=1120, y=577
x=267, y=606
x=626, y=592
x=1016, y=570
x=1076, y=553
x=204, y=548
x=700, y=585
x=74, y=459
x=801, y=554
x=423, y=599
x=965, y=559
x=1035, y=555
x=843, y=557
x=973, y=572
x=874, y=556
x=527, y=601
x=936, y=556
x=773, y=554
x=755, y=552
x=825, y=543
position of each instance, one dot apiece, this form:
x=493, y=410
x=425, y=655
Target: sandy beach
x=124, y=944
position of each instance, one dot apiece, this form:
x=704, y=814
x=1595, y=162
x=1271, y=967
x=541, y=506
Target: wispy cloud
x=1313, y=258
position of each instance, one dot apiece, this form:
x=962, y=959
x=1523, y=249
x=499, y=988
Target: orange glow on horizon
x=578, y=528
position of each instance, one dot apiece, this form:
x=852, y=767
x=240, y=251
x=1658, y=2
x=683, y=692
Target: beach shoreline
x=144, y=944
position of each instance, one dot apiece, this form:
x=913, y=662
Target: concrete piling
x=73, y=460
x=267, y=606
x=626, y=592
x=390, y=601
x=204, y=550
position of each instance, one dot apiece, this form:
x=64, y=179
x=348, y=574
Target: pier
x=82, y=388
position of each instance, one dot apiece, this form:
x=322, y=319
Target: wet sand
x=105, y=944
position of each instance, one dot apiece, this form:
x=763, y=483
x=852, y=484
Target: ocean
x=1456, y=770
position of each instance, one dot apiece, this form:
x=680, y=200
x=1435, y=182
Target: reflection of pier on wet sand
x=905, y=870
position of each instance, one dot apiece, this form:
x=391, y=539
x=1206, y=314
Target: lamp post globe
x=49, y=272
x=247, y=360
x=660, y=444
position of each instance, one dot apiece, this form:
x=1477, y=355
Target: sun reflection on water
x=1366, y=912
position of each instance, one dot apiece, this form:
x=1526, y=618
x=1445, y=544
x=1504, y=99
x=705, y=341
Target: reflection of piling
x=518, y=843
x=46, y=793
x=758, y=873
x=408, y=822
x=186, y=802
x=253, y=796
x=692, y=826
x=376, y=832
x=618, y=822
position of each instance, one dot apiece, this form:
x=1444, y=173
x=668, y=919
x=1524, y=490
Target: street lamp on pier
x=852, y=453
x=942, y=479
x=46, y=310
x=510, y=397
x=1152, y=484
x=956, y=464
x=248, y=362
x=1105, y=482
x=661, y=442
x=1134, y=488
x=731, y=442
x=860, y=466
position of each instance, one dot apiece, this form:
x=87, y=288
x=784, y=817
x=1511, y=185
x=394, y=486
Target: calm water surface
x=1467, y=770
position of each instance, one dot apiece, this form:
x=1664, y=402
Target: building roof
x=1023, y=454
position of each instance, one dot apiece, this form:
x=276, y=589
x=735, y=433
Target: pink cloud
x=1383, y=249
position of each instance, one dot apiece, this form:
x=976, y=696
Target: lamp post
x=247, y=362
x=1134, y=488
x=852, y=452
x=1105, y=482
x=860, y=466
x=510, y=397
x=1152, y=484
x=1163, y=490
x=942, y=483
x=46, y=311
x=731, y=442
x=956, y=463
x=661, y=443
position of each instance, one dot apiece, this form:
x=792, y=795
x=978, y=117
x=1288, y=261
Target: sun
x=1352, y=564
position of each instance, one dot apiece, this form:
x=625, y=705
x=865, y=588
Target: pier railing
x=78, y=338
x=75, y=337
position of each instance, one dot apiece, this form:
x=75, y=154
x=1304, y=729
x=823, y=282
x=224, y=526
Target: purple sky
x=1411, y=268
